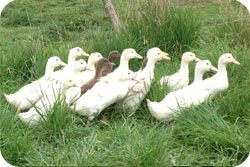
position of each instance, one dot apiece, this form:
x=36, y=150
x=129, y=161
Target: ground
x=214, y=134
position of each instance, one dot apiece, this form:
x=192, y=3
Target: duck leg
x=88, y=122
x=18, y=110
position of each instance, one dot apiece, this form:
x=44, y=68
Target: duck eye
x=158, y=53
x=98, y=56
x=81, y=62
x=56, y=59
x=78, y=50
x=206, y=63
x=129, y=73
x=229, y=57
x=70, y=80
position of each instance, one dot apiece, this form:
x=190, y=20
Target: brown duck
x=112, y=56
x=102, y=67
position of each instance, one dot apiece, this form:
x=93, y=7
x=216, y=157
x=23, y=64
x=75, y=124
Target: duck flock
x=89, y=88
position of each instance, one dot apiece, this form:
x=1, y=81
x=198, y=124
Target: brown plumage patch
x=101, y=67
x=113, y=55
x=144, y=63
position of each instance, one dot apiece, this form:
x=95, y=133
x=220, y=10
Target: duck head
x=104, y=62
x=156, y=54
x=205, y=66
x=76, y=52
x=102, y=65
x=94, y=58
x=189, y=57
x=114, y=55
x=228, y=58
x=80, y=65
x=69, y=83
x=126, y=75
x=55, y=62
x=130, y=53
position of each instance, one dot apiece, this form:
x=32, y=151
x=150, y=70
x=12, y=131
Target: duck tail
x=150, y=106
x=155, y=109
x=10, y=98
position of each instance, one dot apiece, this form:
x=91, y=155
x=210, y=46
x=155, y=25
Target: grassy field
x=216, y=133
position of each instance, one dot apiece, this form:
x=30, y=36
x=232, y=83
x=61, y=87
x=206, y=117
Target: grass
x=170, y=28
x=214, y=134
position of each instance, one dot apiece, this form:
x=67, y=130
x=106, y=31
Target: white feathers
x=103, y=94
x=123, y=86
x=41, y=108
x=90, y=72
x=180, y=79
x=195, y=93
x=145, y=76
x=31, y=93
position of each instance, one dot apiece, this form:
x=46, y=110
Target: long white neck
x=124, y=63
x=71, y=59
x=198, y=75
x=184, y=65
x=91, y=65
x=220, y=76
x=222, y=67
x=184, y=69
x=222, y=71
x=49, y=70
x=149, y=68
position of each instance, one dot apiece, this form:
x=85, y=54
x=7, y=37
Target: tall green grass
x=106, y=42
x=233, y=24
x=218, y=125
x=238, y=77
x=213, y=134
x=171, y=28
x=20, y=13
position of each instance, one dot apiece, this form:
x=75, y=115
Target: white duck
x=73, y=93
x=31, y=93
x=139, y=90
x=103, y=94
x=71, y=70
x=127, y=54
x=74, y=53
x=90, y=72
x=180, y=79
x=219, y=82
x=34, y=115
x=181, y=98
